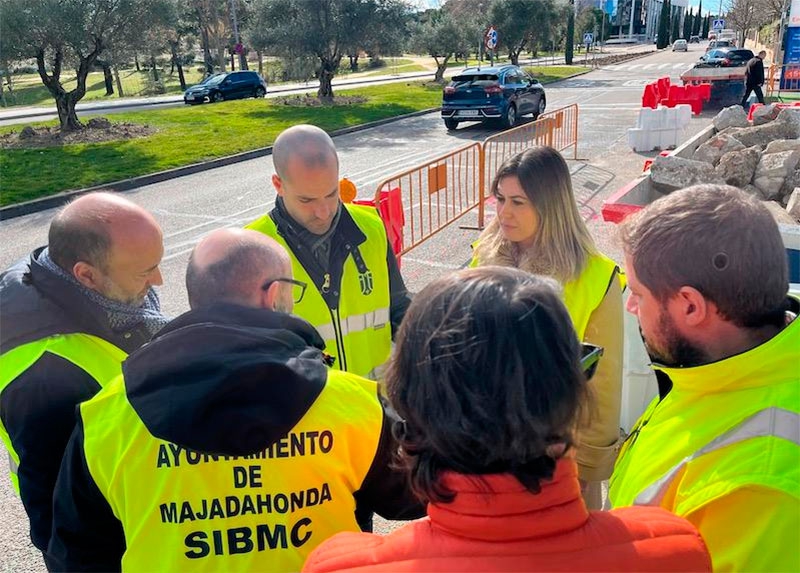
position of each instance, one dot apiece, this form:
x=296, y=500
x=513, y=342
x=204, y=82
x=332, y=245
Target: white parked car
x=680, y=46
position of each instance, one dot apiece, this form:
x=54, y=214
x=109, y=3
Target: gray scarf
x=121, y=316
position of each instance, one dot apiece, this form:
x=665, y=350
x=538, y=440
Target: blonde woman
x=538, y=229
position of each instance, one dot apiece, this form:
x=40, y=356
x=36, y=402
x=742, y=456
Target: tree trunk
x=325, y=90
x=119, y=82
x=441, y=67
x=155, y=70
x=65, y=103
x=208, y=61
x=514, y=57
x=108, y=77
x=176, y=63
x=233, y=62
x=221, y=59
x=136, y=61
x=260, y=56
x=9, y=84
x=353, y=63
x=570, y=39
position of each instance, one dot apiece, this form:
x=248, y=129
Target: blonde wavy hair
x=562, y=243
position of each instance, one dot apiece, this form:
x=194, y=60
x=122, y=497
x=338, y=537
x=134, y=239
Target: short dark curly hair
x=486, y=377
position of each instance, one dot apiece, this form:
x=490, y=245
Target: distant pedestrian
x=754, y=78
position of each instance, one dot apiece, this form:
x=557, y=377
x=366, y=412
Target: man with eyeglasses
x=356, y=296
x=227, y=444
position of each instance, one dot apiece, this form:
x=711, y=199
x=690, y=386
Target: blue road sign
x=588, y=38
x=491, y=38
x=718, y=24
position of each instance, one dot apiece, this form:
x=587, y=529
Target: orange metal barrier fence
x=442, y=190
x=784, y=78
x=437, y=193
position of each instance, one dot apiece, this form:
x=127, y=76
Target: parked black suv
x=228, y=85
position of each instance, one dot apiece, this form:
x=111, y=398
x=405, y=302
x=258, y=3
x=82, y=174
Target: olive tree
x=60, y=34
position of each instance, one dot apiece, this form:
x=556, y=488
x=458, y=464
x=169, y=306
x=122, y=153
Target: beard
x=112, y=291
x=676, y=350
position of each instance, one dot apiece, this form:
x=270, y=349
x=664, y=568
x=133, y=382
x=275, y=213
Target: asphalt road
x=231, y=196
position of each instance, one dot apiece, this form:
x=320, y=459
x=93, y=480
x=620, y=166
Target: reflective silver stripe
x=326, y=331
x=359, y=322
x=774, y=422
x=13, y=466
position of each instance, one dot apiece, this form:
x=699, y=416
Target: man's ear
x=87, y=275
x=277, y=183
x=691, y=306
x=270, y=297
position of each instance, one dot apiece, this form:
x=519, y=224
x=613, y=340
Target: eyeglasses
x=298, y=287
x=590, y=359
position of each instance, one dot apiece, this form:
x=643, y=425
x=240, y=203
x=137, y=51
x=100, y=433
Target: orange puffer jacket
x=494, y=524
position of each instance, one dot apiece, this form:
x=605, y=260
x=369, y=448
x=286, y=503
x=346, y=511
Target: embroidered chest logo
x=365, y=279
x=364, y=274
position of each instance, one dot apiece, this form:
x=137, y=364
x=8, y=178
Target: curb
x=51, y=201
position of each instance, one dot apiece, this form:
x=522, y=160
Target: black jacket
x=754, y=72
x=38, y=407
x=346, y=237
x=271, y=367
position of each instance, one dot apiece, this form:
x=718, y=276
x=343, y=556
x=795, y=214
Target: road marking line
x=648, y=66
x=634, y=66
x=662, y=66
x=676, y=66
x=447, y=266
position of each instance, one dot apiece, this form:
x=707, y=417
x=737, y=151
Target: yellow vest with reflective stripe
x=97, y=357
x=583, y=295
x=723, y=427
x=185, y=511
x=359, y=332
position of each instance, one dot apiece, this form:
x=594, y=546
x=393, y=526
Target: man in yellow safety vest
x=228, y=444
x=356, y=296
x=69, y=314
x=720, y=445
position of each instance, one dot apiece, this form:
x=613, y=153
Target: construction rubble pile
x=762, y=157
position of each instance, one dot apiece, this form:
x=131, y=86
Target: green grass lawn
x=399, y=69
x=548, y=74
x=29, y=90
x=190, y=135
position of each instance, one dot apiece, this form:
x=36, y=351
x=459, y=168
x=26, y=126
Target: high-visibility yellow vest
x=584, y=294
x=185, y=511
x=359, y=332
x=97, y=357
x=723, y=427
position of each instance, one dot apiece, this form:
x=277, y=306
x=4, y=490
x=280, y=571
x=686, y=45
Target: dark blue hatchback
x=500, y=93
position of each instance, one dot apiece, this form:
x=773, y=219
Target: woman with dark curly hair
x=488, y=380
